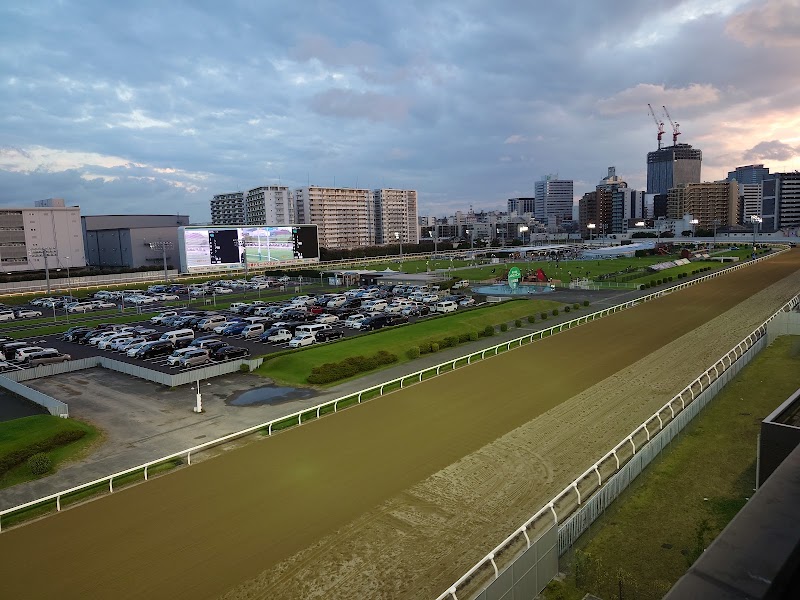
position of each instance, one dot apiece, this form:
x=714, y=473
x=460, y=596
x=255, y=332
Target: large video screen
x=227, y=247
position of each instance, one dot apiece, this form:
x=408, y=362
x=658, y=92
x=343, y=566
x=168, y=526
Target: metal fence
x=55, y=407
x=332, y=406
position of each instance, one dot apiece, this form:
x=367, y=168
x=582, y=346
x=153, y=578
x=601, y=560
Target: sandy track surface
x=397, y=497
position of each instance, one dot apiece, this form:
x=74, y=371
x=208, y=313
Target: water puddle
x=270, y=394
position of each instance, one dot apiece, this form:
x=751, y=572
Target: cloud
x=515, y=139
x=770, y=23
x=352, y=104
x=772, y=150
x=635, y=98
x=321, y=48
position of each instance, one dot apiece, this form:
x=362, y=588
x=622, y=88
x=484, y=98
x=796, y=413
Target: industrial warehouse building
x=131, y=241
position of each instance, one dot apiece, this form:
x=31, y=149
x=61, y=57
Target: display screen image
x=228, y=246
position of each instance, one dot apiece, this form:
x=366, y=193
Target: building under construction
x=674, y=165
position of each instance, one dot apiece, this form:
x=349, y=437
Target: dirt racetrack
x=396, y=498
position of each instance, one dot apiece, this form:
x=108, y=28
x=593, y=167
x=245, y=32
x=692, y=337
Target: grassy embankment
x=656, y=529
x=294, y=367
x=22, y=434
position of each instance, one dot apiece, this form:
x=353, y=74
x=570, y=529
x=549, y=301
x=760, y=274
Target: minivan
x=311, y=328
x=179, y=337
x=46, y=357
x=445, y=306
x=211, y=322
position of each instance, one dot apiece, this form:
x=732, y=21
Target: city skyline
x=167, y=106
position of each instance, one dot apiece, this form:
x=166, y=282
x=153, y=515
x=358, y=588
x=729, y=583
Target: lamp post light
x=715, y=223
x=693, y=223
x=399, y=239
x=591, y=227
x=522, y=230
x=44, y=253
x=435, y=242
x=163, y=246
x=755, y=220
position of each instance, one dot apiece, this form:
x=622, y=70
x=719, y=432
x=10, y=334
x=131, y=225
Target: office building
x=749, y=201
x=124, y=241
x=395, y=213
x=268, y=205
x=749, y=174
x=47, y=235
x=553, y=200
x=345, y=217
x=780, y=201
x=671, y=167
x=713, y=204
x=626, y=205
x=595, y=208
x=522, y=206
x=228, y=209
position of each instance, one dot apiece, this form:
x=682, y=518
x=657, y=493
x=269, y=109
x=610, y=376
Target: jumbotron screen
x=226, y=247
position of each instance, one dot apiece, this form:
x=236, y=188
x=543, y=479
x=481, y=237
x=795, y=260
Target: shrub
x=488, y=331
x=424, y=348
x=463, y=337
x=586, y=303
x=244, y=368
x=543, y=315
x=473, y=336
x=350, y=366
x=39, y=464
x=567, y=309
x=643, y=286
x=653, y=283
x=18, y=457
x=518, y=323
x=555, y=312
x=576, y=306
x=434, y=347
x=503, y=327
x=413, y=353
x=659, y=281
x=531, y=319
x=451, y=340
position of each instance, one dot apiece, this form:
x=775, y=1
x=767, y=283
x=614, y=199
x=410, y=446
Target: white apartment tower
x=345, y=217
x=553, y=200
x=228, y=209
x=395, y=213
x=269, y=205
x=751, y=192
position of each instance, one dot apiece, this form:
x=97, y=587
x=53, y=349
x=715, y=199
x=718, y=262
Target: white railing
x=357, y=397
x=651, y=427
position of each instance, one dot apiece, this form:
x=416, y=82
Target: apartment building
x=780, y=202
x=345, y=217
x=707, y=202
x=269, y=205
x=395, y=213
x=228, y=209
x=553, y=200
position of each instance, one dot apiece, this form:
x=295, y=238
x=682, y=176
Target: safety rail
x=313, y=412
x=573, y=490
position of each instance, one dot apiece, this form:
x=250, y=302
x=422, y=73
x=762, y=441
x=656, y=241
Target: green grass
x=17, y=434
x=295, y=367
x=683, y=500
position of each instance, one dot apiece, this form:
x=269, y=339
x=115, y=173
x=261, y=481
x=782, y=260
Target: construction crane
x=659, y=124
x=675, y=126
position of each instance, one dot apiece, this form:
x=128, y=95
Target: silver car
x=194, y=358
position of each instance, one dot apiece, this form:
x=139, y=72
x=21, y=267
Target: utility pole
x=163, y=247
x=44, y=253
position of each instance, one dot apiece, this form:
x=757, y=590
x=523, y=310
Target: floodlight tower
x=163, y=246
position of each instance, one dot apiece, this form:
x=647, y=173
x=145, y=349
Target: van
x=46, y=357
x=312, y=328
x=445, y=306
x=210, y=322
x=374, y=305
x=461, y=284
x=179, y=337
x=252, y=331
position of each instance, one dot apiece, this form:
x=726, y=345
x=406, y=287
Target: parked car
x=125, y=344
x=253, y=330
x=328, y=335
x=222, y=290
x=392, y=320
x=174, y=358
x=9, y=348
x=153, y=349
x=445, y=306
x=372, y=323
x=7, y=315
x=195, y=358
x=20, y=354
x=353, y=319
x=134, y=348
x=416, y=310
x=202, y=342
x=159, y=318
x=235, y=328
x=27, y=313
x=229, y=352
x=461, y=284
x=467, y=302
x=302, y=339
x=46, y=357
x=326, y=318
x=278, y=336
x=70, y=334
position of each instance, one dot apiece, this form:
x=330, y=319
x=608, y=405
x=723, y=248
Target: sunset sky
x=156, y=106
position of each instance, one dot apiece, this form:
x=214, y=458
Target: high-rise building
x=395, y=212
x=553, y=200
x=521, y=206
x=711, y=203
x=269, y=205
x=597, y=207
x=228, y=209
x=671, y=167
x=750, y=195
x=626, y=204
x=780, y=202
x=345, y=217
x=612, y=181
x=749, y=174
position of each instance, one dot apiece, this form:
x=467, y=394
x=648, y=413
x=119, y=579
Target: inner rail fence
x=586, y=498
x=332, y=406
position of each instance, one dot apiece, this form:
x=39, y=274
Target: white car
x=430, y=298
x=118, y=343
x=196, y=292
x=124, y=345
x=302, y=339
x=133, y=348
x=7, y=315
x=27, y=314
x=352, y=319
x=222, y=290
x=466, y=302
x=174, y=359
x=22, y=353
x=166, y=297
x=163, y=315
x=282, y=335
x=80, y=307
x=102, y=305
x=326, y=318
x=105, y=343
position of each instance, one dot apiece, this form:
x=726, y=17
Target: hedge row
x=62, y=438
x=350, y=366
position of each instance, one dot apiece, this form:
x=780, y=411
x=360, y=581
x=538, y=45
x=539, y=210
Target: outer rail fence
x=169, y=379
x=332, y=406
x=587, y=497
x=55, y=407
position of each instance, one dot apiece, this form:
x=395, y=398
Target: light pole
x=522, y=230
x=399, y=239
x=44, y=253
x=755, y=220
x=591, y=227
x=435, y=243
x=243, y=244
x=163, y=246
x=693, y=223
x=714, y=243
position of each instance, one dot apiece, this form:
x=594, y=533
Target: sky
x=154, y=107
